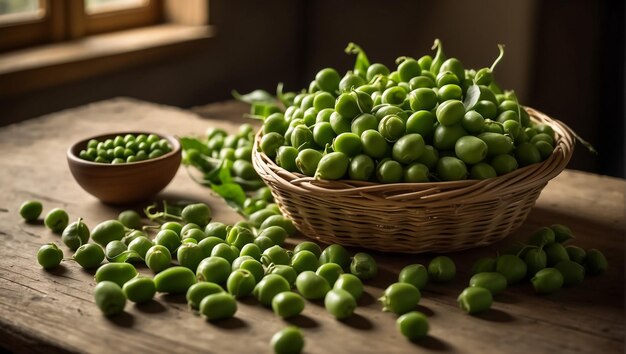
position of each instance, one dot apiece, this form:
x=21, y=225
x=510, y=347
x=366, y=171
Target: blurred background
x=563, y=57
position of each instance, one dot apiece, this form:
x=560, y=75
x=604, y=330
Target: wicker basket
x=414, y=217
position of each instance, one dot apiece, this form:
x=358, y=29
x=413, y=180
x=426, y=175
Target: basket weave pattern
x=414, y=217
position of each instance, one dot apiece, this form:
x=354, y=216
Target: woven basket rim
x=519, y=179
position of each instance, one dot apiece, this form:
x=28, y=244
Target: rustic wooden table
x=53, y=311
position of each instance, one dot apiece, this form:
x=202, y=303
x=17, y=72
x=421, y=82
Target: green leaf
x=224, y=174
x=188, y=143
x=263, y=109
x=231, y=192
x=471, y=97
x=285, y=98
x=362, y=63
x=254, y=96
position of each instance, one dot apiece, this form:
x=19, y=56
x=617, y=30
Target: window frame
x=67, y=19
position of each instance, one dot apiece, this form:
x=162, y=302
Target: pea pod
x=270, y=286
x=492, y=281
x=439, y=58
x=139, y=289
x=198, y=291
x=89, y=255
x=75, y=235
x=108, y=231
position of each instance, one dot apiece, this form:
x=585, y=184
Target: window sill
x=55, y=64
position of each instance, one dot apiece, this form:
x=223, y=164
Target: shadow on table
x=494, y=315
x=123, y=319
x=151, y=306
x=229, y=323
x=303, y=321
x=357, y=321
x=432, y=343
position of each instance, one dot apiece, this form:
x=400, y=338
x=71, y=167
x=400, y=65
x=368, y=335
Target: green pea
x=556, y=253
x=363, y=266
x=595, y=262
x=270, y=143
x=328, y=79
x=308, y=246
x=174, y=226
x=208, y=244
x=279, y=220
x=335, y=254
x=198, y=291
x=512, y=267
x=308, y=160
x=497, y=144
x=75, y=234
x=391, y=127
x=542, y=137
x=339, y=123
x=389, y=171
x=451, y=169
x=270, y=286
x=376, y=69
x=275, y=123
x=114, y=249
x=504, y=164
x=304, y=260
x=110, y=298
x=409, y=69
x=302, y=138
x=158, y=258
x=89, y=255
x=174, y=280
x=416, y=172
x=263, y=243
x=450, y=92
x=333, y=166
x=421, y=122
x=414, y=274
x=56, y=220
x=470, y=149
x=572, y=272
x=362, y=123
x=547, y=281
x=214, y=270
x=374, y=144
x=225, y=251
x=330, y=272
x=347, y=106
x=251, y=250
x=361, y=168
x=445, y=137
x=108, y=231
x=287, y=304
x=544, y=236
x=429, y=158
x=30, y=210
x=288, y=341
x=240, y=283
x=422, y=99
x=386, y=110
x=413, y=325
x=255, y=267
x=576, y=254
x=312, y=286
x=339, y=303
x=276, y=255
x=492, y=281
x=284, y=271
x=198, y=213
x=441, y=269
x=475, y=300
x=400, y=298
x=130, y=219
x=450, y=112
x=239, y=237
x=348, y=143
x=562, y=233
x=194, y=234
x=189, y=255
x=323, y=135
x=286, y=157
x=118, y=273
x=545, y=149
x=394, y=95
x=536, y=260
x=169, y=239
x=350, y=283
x=482, y=170
x=408, y=148
x=218, y=306
x=139, y=289
x=49, y=256
x=421, y=82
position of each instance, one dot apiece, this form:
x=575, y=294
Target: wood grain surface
x=53, y=311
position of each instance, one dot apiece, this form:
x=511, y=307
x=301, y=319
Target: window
x=29, y=22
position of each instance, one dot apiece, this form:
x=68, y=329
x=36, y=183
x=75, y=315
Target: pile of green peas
x=125, y=149
x=430, y=119
x=544, y=259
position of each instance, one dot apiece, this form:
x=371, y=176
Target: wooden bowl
x=125, y=183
